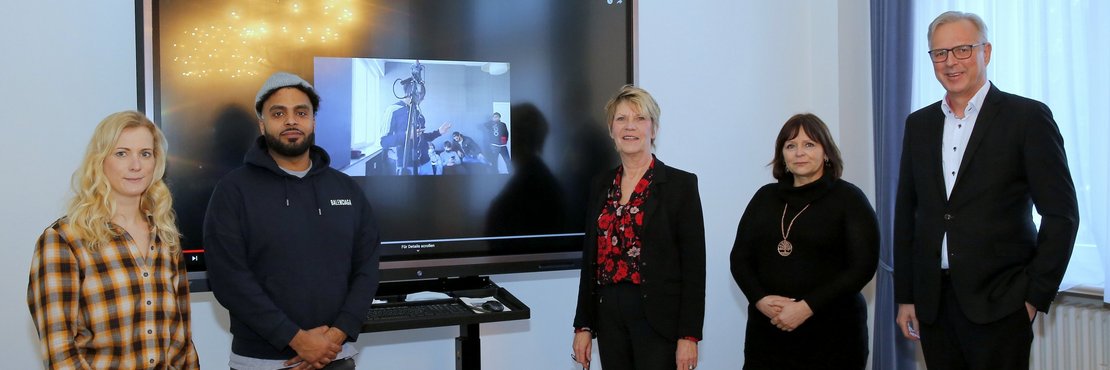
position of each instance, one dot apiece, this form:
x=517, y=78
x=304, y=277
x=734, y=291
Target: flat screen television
x=503, y=197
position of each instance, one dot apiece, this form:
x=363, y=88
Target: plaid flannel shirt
x=108, y=309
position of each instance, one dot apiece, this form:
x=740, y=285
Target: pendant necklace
x=785, y=248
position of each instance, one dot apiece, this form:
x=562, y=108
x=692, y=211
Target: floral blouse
x=618, y=231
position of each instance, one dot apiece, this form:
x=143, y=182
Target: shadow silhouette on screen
x=532, y=201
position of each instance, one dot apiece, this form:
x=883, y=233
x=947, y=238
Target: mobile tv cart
x=468, y=345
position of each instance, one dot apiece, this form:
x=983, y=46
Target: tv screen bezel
x=148, y=101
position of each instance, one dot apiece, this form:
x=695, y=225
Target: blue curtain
x=891, y=75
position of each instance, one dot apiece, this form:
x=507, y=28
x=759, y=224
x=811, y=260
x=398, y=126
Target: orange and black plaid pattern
x=107, y=309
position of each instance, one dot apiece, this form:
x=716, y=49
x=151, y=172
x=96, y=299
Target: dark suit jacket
x=673, y=257
x=997, y=258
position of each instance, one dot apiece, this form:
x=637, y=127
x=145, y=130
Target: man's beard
x=288, y=149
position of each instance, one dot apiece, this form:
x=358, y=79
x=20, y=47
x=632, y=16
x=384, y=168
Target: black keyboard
x=439, y=307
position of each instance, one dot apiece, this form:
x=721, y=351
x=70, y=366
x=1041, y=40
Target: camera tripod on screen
x=406, y=140
x=415, y=90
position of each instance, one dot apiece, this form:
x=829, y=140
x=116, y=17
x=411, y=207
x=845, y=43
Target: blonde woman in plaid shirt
x=108, y=288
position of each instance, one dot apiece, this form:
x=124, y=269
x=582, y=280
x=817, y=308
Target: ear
x=261, y=127
x=987, y=54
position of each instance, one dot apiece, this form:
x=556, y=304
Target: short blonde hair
x=642, y=102
x=953, y=16
x=91, y=208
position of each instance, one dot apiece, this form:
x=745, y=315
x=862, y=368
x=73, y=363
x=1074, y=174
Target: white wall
x=746, y=67
x=66, y=65
x=755, y=63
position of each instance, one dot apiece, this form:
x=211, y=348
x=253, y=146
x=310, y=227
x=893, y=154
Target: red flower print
x=604, y=220
x=622, y=271
x=619, y=228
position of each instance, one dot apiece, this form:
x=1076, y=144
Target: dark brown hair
x=818, y=132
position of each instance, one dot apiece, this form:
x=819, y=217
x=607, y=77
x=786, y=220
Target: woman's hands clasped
x=785, y=313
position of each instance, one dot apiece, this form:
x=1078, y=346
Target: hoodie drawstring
x=286, y=183
x=315, y=194
x=316, y=197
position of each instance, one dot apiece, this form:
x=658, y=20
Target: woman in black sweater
x=804, y=248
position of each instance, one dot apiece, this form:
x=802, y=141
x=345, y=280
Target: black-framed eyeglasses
x=960, y=52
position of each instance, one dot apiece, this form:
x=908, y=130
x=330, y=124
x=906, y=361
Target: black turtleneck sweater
x=835, y=243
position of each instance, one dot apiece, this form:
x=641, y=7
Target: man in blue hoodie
x=291, y=244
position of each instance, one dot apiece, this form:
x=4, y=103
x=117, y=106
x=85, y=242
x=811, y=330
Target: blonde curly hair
x=91, y=208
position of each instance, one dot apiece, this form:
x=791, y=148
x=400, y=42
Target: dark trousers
x=954, y=342
x=494, y=152
x=625, y=339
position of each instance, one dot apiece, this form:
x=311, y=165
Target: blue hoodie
x=287, y=253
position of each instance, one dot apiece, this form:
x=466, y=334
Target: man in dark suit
x=971, y=268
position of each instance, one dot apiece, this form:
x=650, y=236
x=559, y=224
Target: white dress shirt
x=957, y=132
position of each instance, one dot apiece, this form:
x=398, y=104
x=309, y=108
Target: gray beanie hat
x=276, y=81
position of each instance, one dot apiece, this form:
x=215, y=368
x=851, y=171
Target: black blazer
x=673, y=257
x=997, y=258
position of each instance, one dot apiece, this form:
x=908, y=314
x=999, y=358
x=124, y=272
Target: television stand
x=468, y=345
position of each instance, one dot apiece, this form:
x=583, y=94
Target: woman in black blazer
x=642, y=290
x=805, y=247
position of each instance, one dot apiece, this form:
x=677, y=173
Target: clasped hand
x=785, y=313
x=316, y=347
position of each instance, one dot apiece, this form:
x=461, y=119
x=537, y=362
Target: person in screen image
x=452, y=159
x=407, y=132
x=471, y=152
x=292, y=243
x=971, y=267
x=642, y=287
x=497, y=136
x=108, y=287
x=805, y=247
x=433, y=159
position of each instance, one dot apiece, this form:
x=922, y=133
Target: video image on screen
x=413, y=117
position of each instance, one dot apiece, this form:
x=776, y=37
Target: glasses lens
x=939, y=55
x=962, y=52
